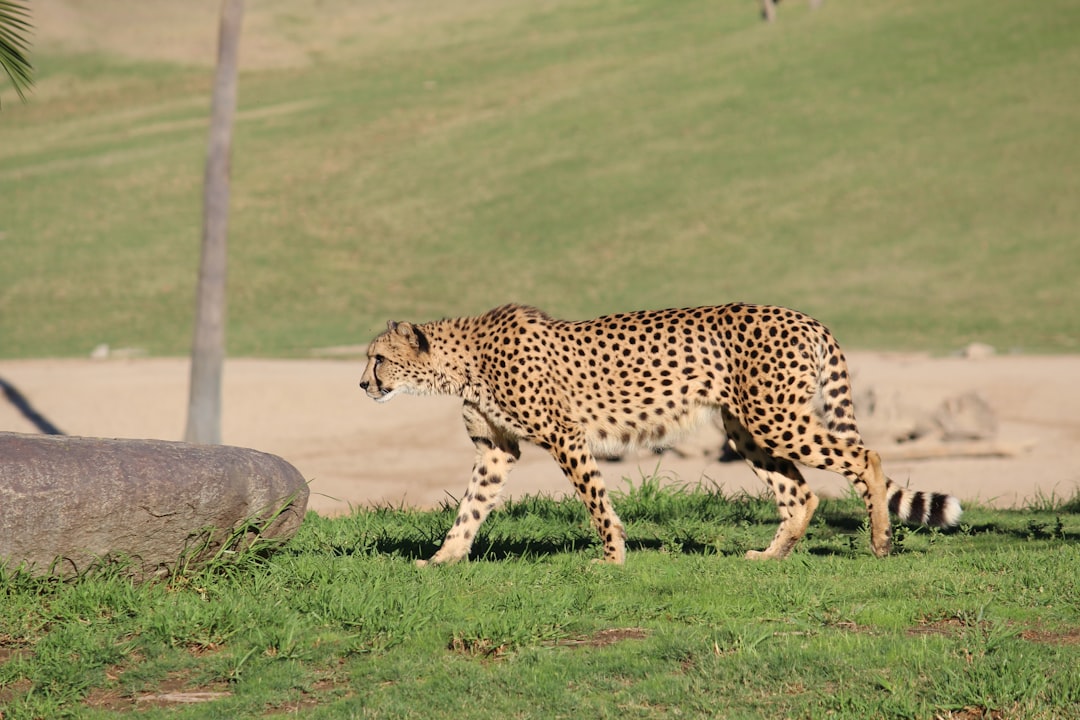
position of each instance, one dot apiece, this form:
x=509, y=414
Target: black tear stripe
x=937, y=510
x=918, y=508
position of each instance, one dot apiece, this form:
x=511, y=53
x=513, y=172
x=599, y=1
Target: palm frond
x=14, y=47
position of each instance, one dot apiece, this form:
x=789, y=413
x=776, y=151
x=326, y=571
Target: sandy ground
x=415, y=451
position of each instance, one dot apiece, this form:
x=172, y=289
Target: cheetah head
x=398, y=362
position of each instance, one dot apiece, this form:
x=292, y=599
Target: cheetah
x=775, y=377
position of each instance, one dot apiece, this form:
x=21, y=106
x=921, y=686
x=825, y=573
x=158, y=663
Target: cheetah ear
x=412, y=335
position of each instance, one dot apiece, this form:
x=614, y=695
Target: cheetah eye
x=378, y=360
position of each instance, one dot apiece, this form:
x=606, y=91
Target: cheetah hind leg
x=874, y=487
x=795, y=501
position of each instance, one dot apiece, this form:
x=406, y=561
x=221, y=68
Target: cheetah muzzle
x=775, y=377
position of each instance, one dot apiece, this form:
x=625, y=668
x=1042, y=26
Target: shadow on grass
x=506, y=549
x=1031, y=530
x=676, y=520
x=683, y=520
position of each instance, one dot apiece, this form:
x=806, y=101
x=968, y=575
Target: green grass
x=908, y=172
x=340, y=623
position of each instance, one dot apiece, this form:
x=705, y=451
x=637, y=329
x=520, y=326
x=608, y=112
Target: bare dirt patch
x=484, y=648
x=415, y=451
x=973, y=713
x=1068, y=636
x=176, y=689
x=946, y=626
x=603, y=638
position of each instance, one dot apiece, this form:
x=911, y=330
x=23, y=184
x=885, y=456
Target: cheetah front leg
x=572, y=453
x=496, y=453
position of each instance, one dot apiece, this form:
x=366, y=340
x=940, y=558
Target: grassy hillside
x=909, y=172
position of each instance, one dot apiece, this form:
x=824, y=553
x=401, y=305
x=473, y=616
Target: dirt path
x=414, y=450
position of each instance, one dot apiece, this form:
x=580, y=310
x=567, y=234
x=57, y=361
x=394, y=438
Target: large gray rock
x=67, y=503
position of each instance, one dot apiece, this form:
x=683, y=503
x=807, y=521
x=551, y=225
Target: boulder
x=68, y=504
x=886, y=418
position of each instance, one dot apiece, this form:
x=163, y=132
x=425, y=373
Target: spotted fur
x=776, y=378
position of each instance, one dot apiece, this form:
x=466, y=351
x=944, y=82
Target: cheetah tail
x=923, y=508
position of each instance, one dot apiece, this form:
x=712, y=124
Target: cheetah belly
x=609, y=438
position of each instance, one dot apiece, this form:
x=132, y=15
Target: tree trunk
x=208, y=346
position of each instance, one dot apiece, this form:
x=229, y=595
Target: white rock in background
x=978, y=351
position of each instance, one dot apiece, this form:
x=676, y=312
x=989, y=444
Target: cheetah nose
x=364, y=384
